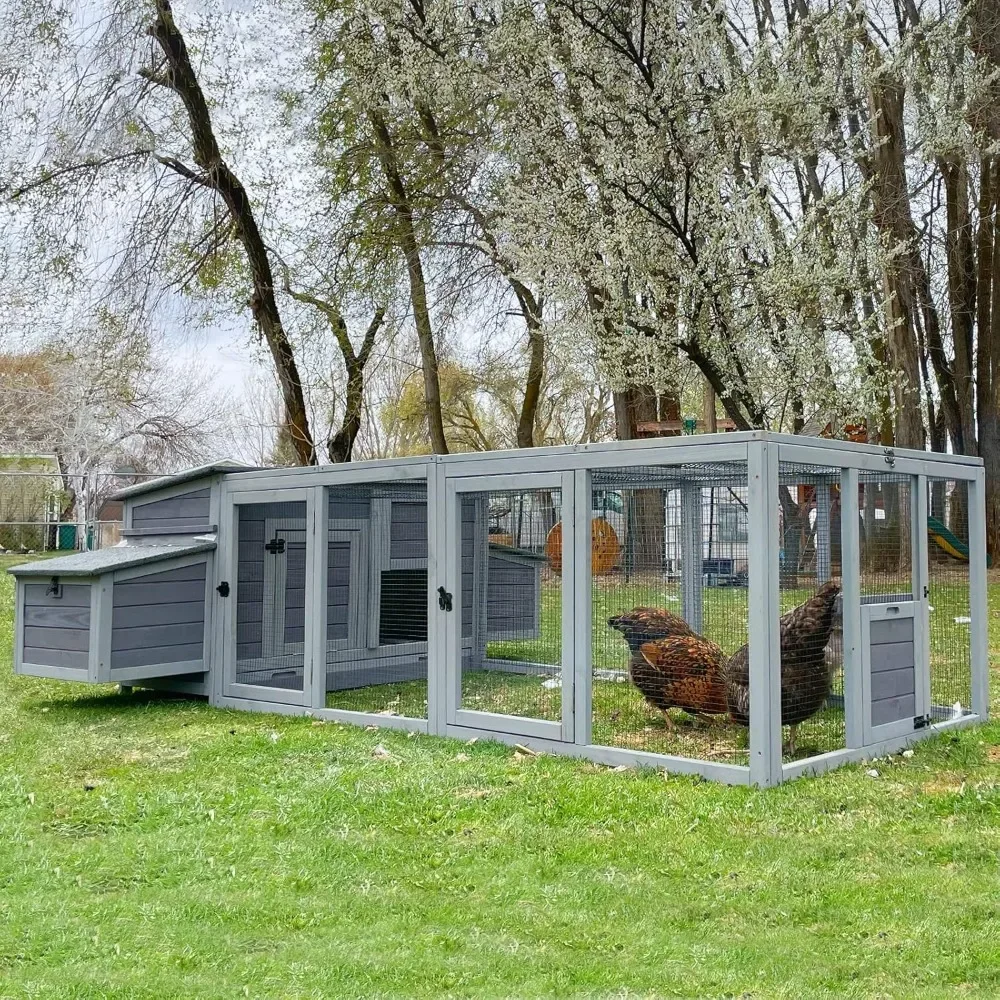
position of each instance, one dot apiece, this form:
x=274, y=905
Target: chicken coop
x=743, y=606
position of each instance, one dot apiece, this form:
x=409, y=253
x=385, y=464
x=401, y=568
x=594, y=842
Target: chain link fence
x=49, y=511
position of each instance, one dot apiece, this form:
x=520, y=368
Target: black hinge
x=444, y=599
x=921, y=721
x=276, y=546
x=223, y=588
x=927, y=591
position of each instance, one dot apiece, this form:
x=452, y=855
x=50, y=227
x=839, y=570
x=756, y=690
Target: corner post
x=850, y=594
x=317, y=564
x=582, y=608
x=437, y=570
x=978, y=597
x=764, y=598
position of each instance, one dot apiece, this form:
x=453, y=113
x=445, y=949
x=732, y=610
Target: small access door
x=508, y=604
x=266, y=595
x=894, y=670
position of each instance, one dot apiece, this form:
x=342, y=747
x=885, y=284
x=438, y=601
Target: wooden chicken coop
x=771, y=605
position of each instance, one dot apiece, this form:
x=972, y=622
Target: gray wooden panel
x=179, y=592
x=158, y=614
x=72, y=658
x=892, y=656
x=510, y=596
x=57, y=629
x=345, y=504
x=57, y=638
x=158, y=617
x=145, y=636
x=893, y=709
x=76, y=595
x=408, y=530
x=188, y=508
x=152, y=655
x=892, y=630
x=62, y=618
x=893, y=683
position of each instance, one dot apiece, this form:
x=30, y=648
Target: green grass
x=160, y=848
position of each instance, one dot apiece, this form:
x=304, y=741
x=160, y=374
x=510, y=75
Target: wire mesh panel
x=811, y=630
x=948, y=596
x=669, y=577
x=885, y=504
x=376, y=598
x=510, y=606
x=270, y=594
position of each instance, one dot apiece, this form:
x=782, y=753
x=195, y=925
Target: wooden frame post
x=850, y=595
x=765, y=641
x=583, y=608
x=978, y=609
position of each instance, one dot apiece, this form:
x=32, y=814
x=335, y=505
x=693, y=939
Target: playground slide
x=945, y=540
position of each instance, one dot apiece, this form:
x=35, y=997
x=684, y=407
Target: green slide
x=950, y=543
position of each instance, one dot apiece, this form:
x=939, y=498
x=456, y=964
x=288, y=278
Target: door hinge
x=223, y=588
x=921, y=721
x=276, y=546
x=444, y=599
x=927, y=591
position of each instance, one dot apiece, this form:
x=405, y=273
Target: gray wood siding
x=408, y=531
x=159, y=618
x=295, y=585
x=348, y=503
x=192, y=509
x=338, y=580
x=510, y=596
x=468, y=560
x=893, y=671
x=57, y=629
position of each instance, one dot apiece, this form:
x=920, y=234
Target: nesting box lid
x=107, y=560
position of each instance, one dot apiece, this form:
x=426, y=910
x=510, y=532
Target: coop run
x=743, y=606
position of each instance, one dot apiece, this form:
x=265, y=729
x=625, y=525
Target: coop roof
x=105, y=560
x=177, y=478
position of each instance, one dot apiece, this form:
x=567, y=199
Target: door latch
x=444, y=599
x=223, y=588
x=276, y=546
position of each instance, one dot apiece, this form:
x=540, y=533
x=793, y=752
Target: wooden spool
x=604, y=547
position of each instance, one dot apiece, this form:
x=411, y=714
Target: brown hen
x=805, y=668
x=671, y=664
x=643, y=624
x=681, y=671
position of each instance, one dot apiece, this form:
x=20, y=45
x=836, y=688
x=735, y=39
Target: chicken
x=671, y=664
x=681, y=671
x=643, y=624
x=805, y=669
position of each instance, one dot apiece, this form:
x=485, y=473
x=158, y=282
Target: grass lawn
x=160, y=848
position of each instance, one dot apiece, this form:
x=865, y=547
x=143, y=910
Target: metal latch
x=276, y=546
x=54, y=589
x=921, y=721
x=444, y=599
x=223, y=588
x=890, y=457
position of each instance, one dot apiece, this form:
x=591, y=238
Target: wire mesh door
x=509, y=604
x=267, y=597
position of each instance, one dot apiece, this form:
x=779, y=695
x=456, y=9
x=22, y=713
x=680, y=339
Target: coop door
x=266, y=597
x=894, y=670
x=507, y=604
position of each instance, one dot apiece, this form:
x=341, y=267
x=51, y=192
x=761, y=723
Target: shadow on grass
x=116, y=701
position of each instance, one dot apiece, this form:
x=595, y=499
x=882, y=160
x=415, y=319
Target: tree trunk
x=532, y=311
x=340, y=447
x=407, y=237
x=217, y=176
